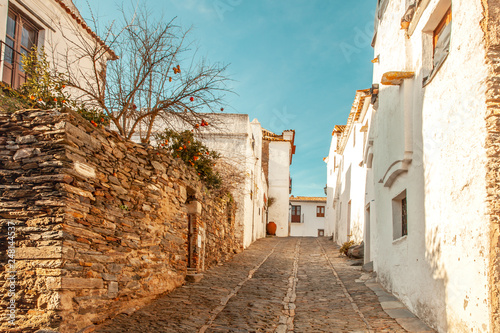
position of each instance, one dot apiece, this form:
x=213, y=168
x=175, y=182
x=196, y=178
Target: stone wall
x=492, y=38
x=102, y=225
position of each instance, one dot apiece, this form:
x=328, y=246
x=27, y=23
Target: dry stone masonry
x=492, y=40
x=102, y=225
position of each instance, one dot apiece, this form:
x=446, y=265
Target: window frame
x=445, y=20
x=13, y=73
x=294, y=210
x=320, y=211
x=400, y=216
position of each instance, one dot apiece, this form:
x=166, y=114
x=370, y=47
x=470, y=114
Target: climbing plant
x=183, y=145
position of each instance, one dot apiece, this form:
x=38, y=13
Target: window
x=320, y=211
x=441, y=37
x=21, y=37
x=296, y=214
x=404, y=218
x=400, y=216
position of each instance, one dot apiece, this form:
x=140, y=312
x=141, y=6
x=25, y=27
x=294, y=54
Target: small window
x=296, y=214
x=21, y=37
x=441, y=37
x=400, y=216
x=320, y=211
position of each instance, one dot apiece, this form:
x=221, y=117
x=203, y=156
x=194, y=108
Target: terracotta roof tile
x=71, y=9
x=310, y=199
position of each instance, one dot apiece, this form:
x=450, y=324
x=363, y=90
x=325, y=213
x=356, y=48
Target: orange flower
x=180, y=148
x=196, y=158
x=32, y=97
x=170, y=79
x=64, y=101
x=55, y=99
x=63, y=86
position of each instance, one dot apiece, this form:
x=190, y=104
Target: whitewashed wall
x=279, y=185
x=310, y=223
x=440, y=269
x=331, y=181
x=58, y=35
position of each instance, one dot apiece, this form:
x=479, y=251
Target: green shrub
x=345, y=247
x=183, y=145
x=45, y=88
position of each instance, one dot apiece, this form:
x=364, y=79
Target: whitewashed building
x=429, y=161
x=432, y=158
x=347, y=207
x=55, y=25
x=307, y=216
x=278, y=151
x=262, y=160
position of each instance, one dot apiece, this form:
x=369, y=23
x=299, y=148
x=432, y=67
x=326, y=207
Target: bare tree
x=147, y=78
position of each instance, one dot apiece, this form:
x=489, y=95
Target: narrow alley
x=277, y=285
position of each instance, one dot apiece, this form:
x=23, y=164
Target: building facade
x=55, y=25
x=431, y=161
x=278, y=151
x=347, y=174
x=307, y=216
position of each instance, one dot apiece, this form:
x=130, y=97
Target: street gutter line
x=286, y=321
x=354, y=305
x=233, y=292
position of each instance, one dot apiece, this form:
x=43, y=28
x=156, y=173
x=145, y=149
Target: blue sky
x=296, y=64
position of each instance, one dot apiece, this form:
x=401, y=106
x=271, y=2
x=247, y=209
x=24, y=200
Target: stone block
x=44, y=252
x=53, y=283
x=392, y=305
x=108, y=277
x=81, y=283
x=194, y=207
x=368, y=267
x=25, y=153
x=159, y=166
x=77, y=191
x=414, y=325
x=399, y=313
x=113, y=289
x=26, y=139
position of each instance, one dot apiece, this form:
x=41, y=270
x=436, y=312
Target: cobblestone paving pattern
x=276, y=285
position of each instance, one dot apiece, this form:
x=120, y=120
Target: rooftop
x=310, y=199
x=71, y=9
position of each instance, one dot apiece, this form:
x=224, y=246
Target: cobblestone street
x=276, y=285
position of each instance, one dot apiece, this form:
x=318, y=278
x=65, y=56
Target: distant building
x=278, y=151
x=347, y=174
x=263, y=160
x=307, y=216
